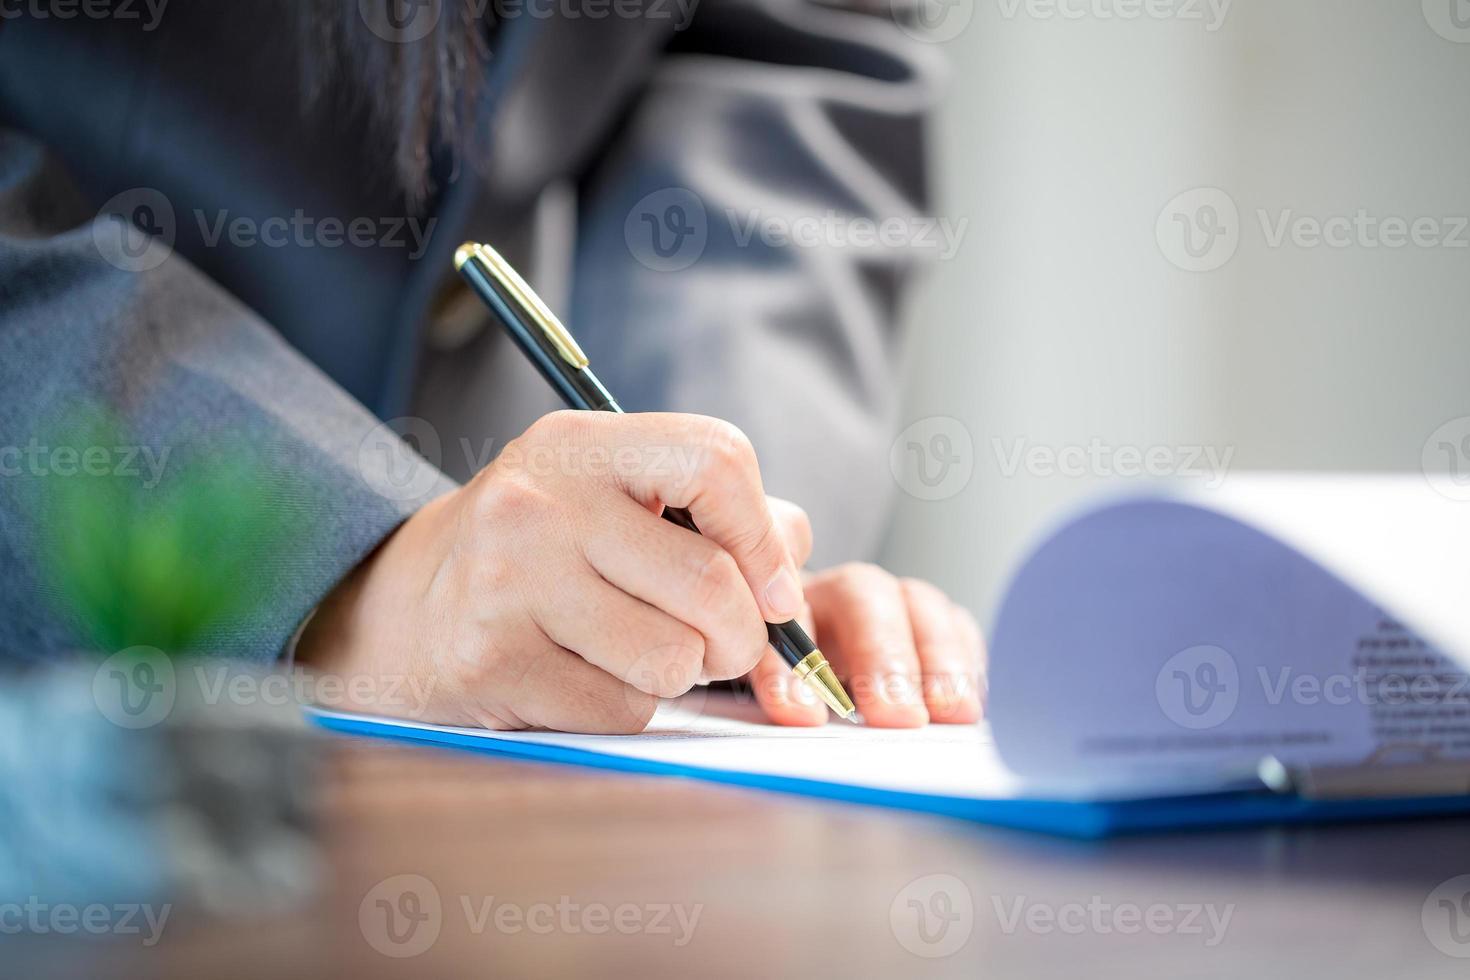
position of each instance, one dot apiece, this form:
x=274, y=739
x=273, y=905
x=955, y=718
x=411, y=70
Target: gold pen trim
x=540, y=314
x=815, y=671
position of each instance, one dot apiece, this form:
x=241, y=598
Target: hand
x=546, y=592
x=906, y=654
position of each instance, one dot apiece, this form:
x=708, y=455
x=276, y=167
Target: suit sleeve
x=89, y=316
x=745, y=241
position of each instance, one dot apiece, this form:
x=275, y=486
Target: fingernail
x=902, y=689
x=953, y=694
x=783, y=596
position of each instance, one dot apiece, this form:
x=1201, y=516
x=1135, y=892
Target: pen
x=551, y=347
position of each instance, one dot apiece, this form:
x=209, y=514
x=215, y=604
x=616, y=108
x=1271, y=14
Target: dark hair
x=420, y=84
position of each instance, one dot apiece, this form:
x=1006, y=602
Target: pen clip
x=531, y=305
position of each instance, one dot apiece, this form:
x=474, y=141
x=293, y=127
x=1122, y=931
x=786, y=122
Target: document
x=1181, y=636
x=718, y=730
x=1161, y=645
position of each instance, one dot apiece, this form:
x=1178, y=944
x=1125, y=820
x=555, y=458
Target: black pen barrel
x=789, y=639
x=582, y=390
x=578, y=387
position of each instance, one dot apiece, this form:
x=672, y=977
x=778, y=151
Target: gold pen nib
x=818, y=675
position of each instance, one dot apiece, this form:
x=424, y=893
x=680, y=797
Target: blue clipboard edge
x=1086, y=820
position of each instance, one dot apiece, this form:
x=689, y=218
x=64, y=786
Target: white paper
x=1184, y=637
x=1114, y=632
x=712, y=730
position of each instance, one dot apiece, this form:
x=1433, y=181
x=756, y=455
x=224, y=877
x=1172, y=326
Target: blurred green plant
x=167, y=565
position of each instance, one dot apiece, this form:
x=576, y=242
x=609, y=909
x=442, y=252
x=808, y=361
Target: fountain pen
x=551, y=347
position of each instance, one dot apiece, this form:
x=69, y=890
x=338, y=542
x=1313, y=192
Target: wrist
x=343, y=626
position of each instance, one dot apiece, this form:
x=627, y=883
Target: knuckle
x=918, y=590
x=486, y=667
x=755, y=647
x=729, y=448
x=554, y=426
x=715, y=577
x=513, y=497
x=743, y=643
x=762, y=542
x=864, y=575
x=679, y=666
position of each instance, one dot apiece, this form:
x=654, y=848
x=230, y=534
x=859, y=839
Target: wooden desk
x=793, y=887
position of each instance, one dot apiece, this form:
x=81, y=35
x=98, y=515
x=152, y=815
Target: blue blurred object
x=205, y=806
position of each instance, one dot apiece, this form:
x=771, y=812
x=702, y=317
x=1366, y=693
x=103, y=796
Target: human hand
x=906, y=653
x=547, y=591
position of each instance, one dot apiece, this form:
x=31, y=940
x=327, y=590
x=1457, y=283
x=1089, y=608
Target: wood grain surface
x=770, y=885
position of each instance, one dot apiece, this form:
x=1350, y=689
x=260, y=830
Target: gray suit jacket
x=635, y=167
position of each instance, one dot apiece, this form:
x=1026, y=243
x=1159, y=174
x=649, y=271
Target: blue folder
x=1082, y=819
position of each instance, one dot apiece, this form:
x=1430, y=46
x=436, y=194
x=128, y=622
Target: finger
x=974, y=640
x=785, y=698
x=950, y=665
x=720, y=485
x=563, y=692
x=795, y=528
x=863, y=620
x=686, y=576
x=633, y=641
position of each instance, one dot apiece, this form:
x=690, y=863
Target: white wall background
x=1062, y=322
